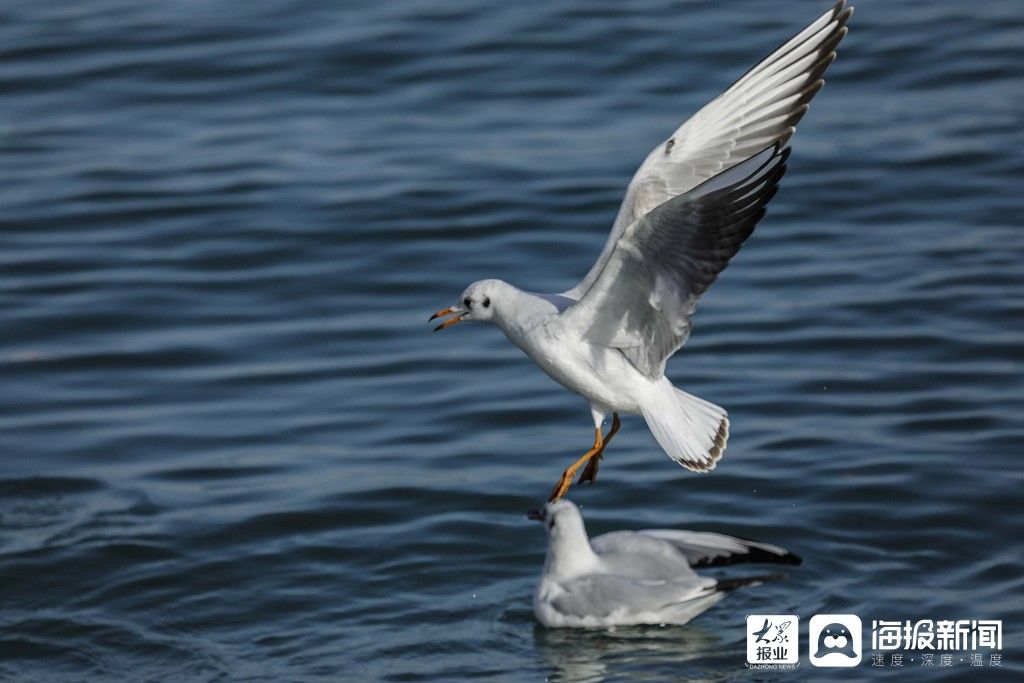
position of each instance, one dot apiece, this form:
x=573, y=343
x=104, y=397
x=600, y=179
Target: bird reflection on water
x=623, y=653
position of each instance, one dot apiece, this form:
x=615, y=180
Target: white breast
x=601, y=375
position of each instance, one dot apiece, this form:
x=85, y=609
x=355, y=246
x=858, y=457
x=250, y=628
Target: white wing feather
x=759, y=110
x=665, y=550
x=642, y=300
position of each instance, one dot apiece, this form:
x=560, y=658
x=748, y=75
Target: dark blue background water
x=231, y=448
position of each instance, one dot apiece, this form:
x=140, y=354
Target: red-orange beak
x=451, y=321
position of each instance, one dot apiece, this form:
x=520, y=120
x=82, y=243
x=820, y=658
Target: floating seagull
x=688, y=209
x=636, y=577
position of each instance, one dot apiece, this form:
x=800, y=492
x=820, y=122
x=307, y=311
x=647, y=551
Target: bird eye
x=467, y=302
x=487, y=302
x=551, y=524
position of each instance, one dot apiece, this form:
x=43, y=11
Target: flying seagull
x=636, y=577
x=690, y=206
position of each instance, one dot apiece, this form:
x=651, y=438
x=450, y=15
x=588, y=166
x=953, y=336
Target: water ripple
x=233, y=450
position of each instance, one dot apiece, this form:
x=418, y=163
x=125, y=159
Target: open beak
x=451, y=321
x=535, y=515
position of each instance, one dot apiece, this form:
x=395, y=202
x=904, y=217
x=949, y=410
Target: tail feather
x=692, y=431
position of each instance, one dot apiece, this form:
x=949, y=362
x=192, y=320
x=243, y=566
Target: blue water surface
x=233, y=450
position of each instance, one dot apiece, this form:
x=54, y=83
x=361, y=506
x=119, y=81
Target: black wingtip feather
x=727, y=196
x=754, y=555
x=725, y=585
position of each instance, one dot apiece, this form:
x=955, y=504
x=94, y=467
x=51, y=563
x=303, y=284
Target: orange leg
x=562, y=487
x=590, y=472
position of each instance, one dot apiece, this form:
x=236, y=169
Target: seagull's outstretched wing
x=642, y=300
x=759, y=110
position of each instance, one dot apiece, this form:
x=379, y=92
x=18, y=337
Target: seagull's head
x=562, y=520
x=569, y=551
x=477, y=303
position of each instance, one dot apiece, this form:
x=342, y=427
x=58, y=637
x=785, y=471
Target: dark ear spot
x=487, y=302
